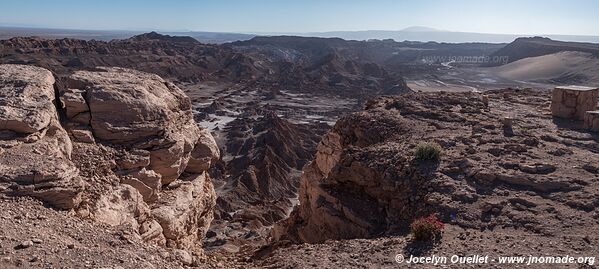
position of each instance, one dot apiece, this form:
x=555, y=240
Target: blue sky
x=576, y=17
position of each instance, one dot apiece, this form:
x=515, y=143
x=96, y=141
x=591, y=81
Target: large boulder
x=129, y=134
x=591, y=120
x=573, y=102
x=147, y=125
x=137, y=109
x=185, y=211
x=35, y=151
x=204, y=154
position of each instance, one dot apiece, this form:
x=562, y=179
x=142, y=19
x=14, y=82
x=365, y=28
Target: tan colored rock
x=73, y=102
x=151, y=231
x=573, y=102
x=38, y=164
x=147, y=182
x=133, y=159
x=183, y=256
x=205, y=153
x=171, y=160
x=129, y=107
x=149, y=124
x=26, y=98
x=123, y=205
x=185, y=212
x=147, y=177
x=591, y=121
x=328, y=152
x=83, y=135
x=134, y=133
x=148, y=194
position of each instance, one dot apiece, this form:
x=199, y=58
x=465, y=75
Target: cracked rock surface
x=114, y=146
x=35, y=151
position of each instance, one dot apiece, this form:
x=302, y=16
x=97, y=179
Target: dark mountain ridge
x=526, y=47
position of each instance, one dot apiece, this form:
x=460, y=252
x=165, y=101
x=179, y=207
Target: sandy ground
x=543, y=72
x=563, y=65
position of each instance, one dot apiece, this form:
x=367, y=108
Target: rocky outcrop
x=591, y=120
x=171, y=57
x=129, y=137
x=35, y=151
x=357, y=187
x=185, y=211
x=136, y=109
x=365, y=180
x=204, y=154
x=573, y=102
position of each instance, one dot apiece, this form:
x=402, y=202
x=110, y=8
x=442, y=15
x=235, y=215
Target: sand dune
x=563, y=67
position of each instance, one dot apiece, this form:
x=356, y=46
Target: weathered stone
x=83, y=135
x=145, y=137
x=329, y=151
x=186, y=211
x=204, y=154
x=151, y=231
x=573, y=102
x=183, y=256
x=344, y=195
x=123, y=205
x=147, y=182
x=25, y=244
x=147, y=177
x=539, y=168
x=149, y=123
x=73, y=102
x=148, y=194
x=133, y=159
x=129, y=107
x=39, y=164
x=591, y=120
x=26, y=98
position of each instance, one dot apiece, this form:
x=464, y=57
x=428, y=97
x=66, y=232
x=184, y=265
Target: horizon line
x=433, y=30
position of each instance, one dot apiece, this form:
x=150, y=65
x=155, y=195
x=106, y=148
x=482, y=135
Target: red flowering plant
x=426, y=228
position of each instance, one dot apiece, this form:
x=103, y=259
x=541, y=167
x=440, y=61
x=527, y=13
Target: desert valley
x=156, y=150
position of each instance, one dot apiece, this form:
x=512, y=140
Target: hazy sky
x=575, y=17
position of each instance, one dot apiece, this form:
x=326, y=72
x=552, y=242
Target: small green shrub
x=426, y=228
x=428, y=151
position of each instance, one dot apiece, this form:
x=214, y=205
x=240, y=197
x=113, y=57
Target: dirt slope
x=567, y=67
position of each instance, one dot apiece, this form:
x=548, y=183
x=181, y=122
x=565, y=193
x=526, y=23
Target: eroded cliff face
x=116, y=145
x=35, y=151
x=506, y=163
x=357, y=186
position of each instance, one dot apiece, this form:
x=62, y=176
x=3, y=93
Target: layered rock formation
x=573, y=102
x=129, y=137
x=365, y=181
x=591, y=121
x=35, y=151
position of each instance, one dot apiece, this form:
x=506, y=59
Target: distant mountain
x=526, y=47
x=421, y=29
x=414, y=33
x=215, y=37
x=104, y=35
x=425, y=34
x=156, y=36
x=107, y=35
